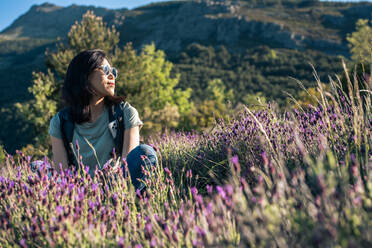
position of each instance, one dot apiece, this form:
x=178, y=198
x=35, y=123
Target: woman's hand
x=59, y=153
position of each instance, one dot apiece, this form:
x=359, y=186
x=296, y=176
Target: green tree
x=216, y=105
x=2, y=154
x=44, y=105
x=90, y=33
x=147, y=82
x=216, y=91
x=311, y=96
x=255, y=101
x=360, y=42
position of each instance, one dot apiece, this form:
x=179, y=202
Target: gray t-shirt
x=97, y=134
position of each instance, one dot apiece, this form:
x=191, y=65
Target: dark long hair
x=77, y=91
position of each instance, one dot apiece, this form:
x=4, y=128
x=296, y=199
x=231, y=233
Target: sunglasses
x=108, y=69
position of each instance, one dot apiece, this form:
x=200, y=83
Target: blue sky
x=12, y=9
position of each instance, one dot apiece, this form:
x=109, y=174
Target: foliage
x=90, y=33
x=360, y=42
x=216, y=91
x=2, y=154
x=310, y=96
x=258, y=69
x=357, y=82
x=255, y=101
x=21, y=45
x=217, y=104
x=42, y=107
x=147, y=82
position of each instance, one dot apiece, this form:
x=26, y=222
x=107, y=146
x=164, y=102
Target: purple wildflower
x=229, y=189
x=209, y=189
x=94, y=186
x=221, y=191
x=153, y=242
x=121, y=242
x=194, y=191
x=148, y=231
x=189, y=173
x=91, y=204
x=253, y=199
x=200, y=231
x=168, y=171
x=209, y=207
x=59, y=210
x=22, y=243
x=235, y=160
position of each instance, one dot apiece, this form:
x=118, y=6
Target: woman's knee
x=141, y=156
x=143, y=150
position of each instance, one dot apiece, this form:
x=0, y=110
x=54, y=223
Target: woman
x=89, y=92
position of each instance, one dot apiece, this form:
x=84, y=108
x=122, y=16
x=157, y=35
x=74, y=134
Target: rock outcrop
x=217, y=24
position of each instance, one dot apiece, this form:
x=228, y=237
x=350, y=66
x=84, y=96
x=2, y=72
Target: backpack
x=116, y=127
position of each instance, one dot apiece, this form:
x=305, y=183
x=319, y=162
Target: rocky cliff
x=236, y=25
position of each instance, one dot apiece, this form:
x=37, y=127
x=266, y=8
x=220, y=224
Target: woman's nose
x=110, y=76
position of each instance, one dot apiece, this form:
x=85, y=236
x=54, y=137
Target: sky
x=10, y=10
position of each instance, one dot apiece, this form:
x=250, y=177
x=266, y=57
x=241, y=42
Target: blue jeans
x=136, y=160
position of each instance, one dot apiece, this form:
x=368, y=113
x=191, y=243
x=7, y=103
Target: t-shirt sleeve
x=55, y=127
x=131, y=118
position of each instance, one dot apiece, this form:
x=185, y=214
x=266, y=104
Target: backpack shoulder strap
x=67, y=130
x=116, y=126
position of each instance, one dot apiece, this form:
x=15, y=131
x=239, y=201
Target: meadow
x=263, y=178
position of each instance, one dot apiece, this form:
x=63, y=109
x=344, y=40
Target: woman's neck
x=96, y=108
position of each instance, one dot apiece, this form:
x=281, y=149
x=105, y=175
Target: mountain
x=175, y=24
x=49, y=21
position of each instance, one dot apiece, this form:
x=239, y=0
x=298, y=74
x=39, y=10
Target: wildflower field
x=265, y=178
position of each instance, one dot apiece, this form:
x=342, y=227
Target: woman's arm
x=131, y=140
x=59, y=153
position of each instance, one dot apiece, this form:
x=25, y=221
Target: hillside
x=174, y=25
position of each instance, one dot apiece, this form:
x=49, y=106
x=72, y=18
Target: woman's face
x=103, y=85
